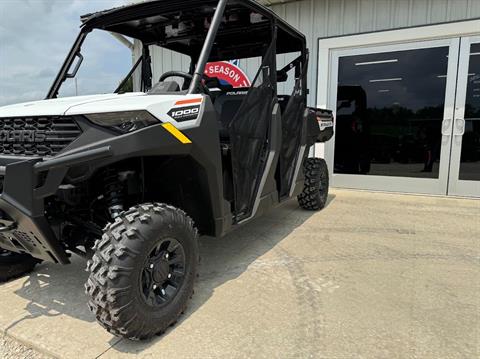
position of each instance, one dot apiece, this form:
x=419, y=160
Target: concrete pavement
x=373, y=275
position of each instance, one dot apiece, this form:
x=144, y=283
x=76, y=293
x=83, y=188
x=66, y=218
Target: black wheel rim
x=163, y=272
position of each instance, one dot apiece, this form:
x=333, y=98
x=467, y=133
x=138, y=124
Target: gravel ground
x=10, y=349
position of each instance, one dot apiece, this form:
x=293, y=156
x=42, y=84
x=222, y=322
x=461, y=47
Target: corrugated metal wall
x=328, y=18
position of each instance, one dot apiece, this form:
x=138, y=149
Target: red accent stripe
x=190, y=101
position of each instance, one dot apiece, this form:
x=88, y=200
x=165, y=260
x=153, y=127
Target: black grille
x=37, y=136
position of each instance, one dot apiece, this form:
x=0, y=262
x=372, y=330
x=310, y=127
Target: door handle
x=459, y=128
x=447, y=127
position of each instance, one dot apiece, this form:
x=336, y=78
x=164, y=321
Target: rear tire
x=14, y=265
x=143, y=271
x=315, y=193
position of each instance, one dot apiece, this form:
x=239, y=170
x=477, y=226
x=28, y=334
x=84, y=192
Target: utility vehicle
x=130, y=179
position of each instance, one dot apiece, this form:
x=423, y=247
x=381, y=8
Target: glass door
x=465, y=162
x=394, y=116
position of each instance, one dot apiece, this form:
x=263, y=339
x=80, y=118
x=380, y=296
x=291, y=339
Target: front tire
x=315, y=192
x=143, y=271
x=15, y=265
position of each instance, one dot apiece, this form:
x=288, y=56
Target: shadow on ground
x=55, y=290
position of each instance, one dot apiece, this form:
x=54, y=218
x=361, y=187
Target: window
x=389, y=113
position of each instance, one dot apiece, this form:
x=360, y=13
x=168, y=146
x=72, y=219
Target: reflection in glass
x=470, y=158
x=389, y=113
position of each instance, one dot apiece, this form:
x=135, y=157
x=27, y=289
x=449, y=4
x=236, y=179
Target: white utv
x=129, y=179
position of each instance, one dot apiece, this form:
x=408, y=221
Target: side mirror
x=72, y=74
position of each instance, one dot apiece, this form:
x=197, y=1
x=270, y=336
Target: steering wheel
x=184, y=75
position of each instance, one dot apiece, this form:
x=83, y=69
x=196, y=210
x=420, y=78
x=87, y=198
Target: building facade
x=403, y=78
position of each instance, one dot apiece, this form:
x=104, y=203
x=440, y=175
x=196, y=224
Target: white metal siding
x=328, y=18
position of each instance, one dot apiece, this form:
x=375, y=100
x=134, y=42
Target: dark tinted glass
x=470, y=158
x=389, y=113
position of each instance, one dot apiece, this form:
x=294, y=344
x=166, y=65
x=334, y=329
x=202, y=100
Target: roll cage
x=211, y=30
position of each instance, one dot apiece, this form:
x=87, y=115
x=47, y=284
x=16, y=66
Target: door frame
x=407, y=38
x=456, y=186
x=436, y=186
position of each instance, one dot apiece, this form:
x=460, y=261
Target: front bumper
x=26, y=183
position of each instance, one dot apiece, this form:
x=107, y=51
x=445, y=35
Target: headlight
x=123, y=122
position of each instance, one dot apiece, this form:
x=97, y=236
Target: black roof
x=182, y=25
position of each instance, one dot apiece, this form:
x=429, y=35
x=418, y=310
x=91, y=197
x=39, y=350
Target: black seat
x=227, y=106
x=215, y=83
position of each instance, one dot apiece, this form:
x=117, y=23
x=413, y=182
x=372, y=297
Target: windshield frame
x=63, y=73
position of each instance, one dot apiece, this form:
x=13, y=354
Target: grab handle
x=459, y=129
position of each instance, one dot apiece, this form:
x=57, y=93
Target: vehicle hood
x=60, y=106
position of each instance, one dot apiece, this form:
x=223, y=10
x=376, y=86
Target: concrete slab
x=373, y=275
x=47, y=311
